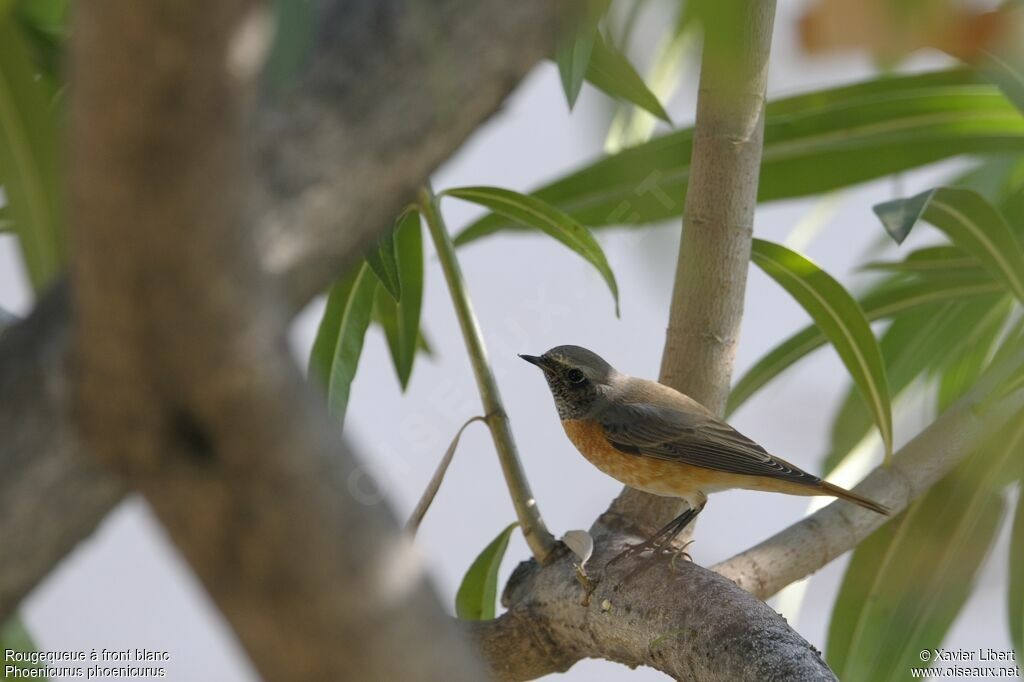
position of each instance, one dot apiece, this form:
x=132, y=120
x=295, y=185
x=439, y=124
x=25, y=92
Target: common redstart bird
x=654, y=438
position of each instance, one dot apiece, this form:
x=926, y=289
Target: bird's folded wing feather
x=694, y=439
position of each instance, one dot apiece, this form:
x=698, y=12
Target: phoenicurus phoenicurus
x=653, y=438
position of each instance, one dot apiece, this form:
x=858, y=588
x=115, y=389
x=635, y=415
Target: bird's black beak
x=534, y=360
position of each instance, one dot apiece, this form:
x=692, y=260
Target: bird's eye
x=575, y=376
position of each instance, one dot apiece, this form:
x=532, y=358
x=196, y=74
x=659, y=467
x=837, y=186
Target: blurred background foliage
x=932, y=323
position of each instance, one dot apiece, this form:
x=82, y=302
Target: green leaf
x=533, y=212
x=924, y=342
x=1015, y=590
x=610, y=71
x=906, y=583
x=841, y=319
x=383, y=259
x=385, y=313
x=885, y=302
x=573, y=52
x=15, y=637
x=28, y=158
x=971, y=222
x=339, y=340
x=401, y=320
x=478, y=592
x=573, y=57
x=813, y=143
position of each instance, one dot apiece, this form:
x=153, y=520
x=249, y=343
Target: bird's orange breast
x=660, y=477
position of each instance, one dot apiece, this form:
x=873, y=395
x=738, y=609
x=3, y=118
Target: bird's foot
x=679, y=552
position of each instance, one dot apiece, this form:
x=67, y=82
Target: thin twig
x=416, y=518
x=534, y=530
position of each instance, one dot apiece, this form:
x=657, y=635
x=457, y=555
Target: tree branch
x=721, y=195
x=390, y=95
x=671, y=615
x=51, y=494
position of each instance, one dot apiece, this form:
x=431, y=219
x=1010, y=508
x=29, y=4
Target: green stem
x=534, y=530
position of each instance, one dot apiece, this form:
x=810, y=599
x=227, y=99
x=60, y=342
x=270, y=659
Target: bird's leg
x=663, y=537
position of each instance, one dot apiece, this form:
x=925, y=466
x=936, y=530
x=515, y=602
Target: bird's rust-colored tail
x=845, y=494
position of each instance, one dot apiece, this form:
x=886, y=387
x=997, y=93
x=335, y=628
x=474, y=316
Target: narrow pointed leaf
x=905, y=585
x=322, y=353
x=814, y=143
x=427, y=498
x=533, y=212
x=478, y=593
x=841, y=319
x=573, y=53
x=383, y=258
x=385, y=313
x=886, y=302
x=339, y=340
x=573, y=57
x=28, y=158
x=613, y=73
x=401, y=320
x=970, y=221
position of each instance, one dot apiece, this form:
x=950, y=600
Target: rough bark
x=718, y=219
x=669, y=614
x=394, y=89
x=51, y=495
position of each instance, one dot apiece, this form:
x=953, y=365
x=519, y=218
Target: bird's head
x=579, y=379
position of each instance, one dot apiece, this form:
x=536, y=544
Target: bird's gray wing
x=690, y=438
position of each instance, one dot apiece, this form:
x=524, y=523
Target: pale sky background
x=126, y=586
